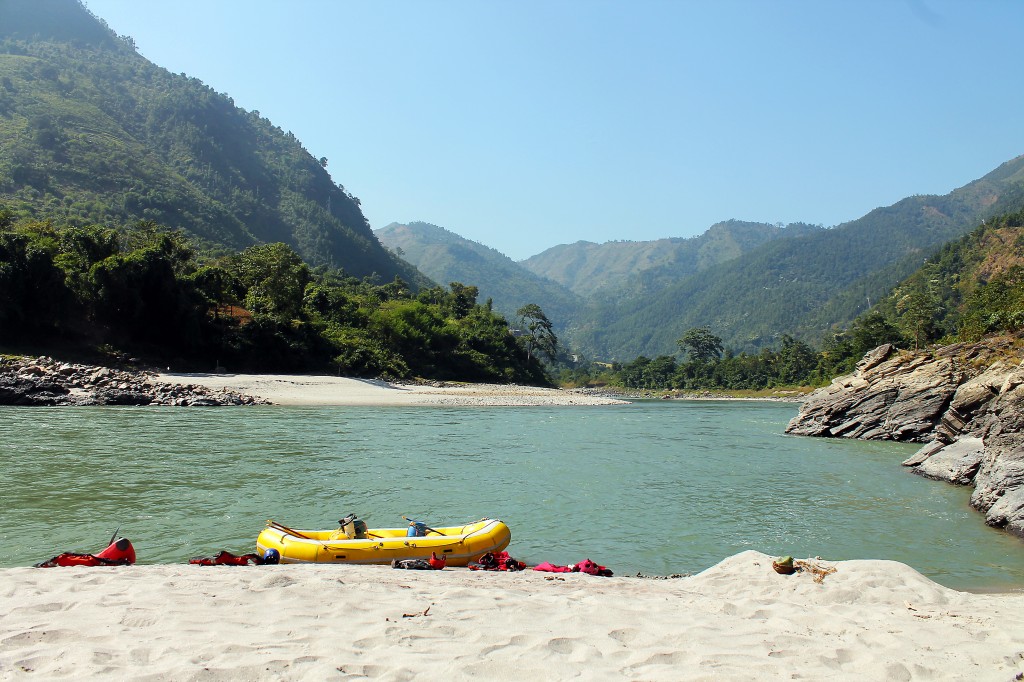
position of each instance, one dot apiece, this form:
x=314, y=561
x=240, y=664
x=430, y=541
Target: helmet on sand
x=271, y=556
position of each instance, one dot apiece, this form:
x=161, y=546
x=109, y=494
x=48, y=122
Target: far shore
x=301, y=389
x=325, y=389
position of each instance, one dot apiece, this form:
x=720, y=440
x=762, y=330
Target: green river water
x=658, y=487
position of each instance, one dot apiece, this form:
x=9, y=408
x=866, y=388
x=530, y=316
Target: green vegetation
x=146, y=291
x=805, y=286
x=706, y=369
x=971, y=288
x=92, y=133
x=444, y=257
x=597, y=270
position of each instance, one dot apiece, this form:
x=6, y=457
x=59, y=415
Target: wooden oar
x=286, y=529
x=292, y=531
x=429, y=529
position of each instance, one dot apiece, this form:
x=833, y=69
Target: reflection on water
x=660, y=487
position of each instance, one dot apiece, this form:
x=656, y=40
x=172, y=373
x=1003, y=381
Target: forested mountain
x=749, y=283
x=972, y=287
x=446, y=257
x=802, y=286
x=591, y=269
x=968, y=298
x=93, y=133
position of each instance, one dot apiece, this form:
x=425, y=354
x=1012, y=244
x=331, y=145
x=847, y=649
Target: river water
x=658, y=487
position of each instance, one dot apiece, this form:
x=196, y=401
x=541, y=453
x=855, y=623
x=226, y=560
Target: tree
x=461, y=300
x=632, y=374
x=871, y=330
x=275, y=278
x=796, y=361
x=917, y=307
x=34, y=296
x=658, y=373
x=540, y=335
x=700, y=344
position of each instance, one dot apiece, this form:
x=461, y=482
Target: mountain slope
x=972, y=287
x=446, y=257
x=92, y=132
x=799, y=286
x=591, y=269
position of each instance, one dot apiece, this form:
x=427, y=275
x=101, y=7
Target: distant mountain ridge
x=784, y=286
x=446, y=257
x=92, y=132
x=590, y=269
x=748, y=282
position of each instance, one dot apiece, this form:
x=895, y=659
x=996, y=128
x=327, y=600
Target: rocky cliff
x=964, y=402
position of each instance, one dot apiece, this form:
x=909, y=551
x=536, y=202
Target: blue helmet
x=271, y=556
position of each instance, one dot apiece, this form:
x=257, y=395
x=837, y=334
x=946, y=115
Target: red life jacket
x=588, y=566
x=497, y=562
x=226, y=558
x=438, y=563
x=585, y=566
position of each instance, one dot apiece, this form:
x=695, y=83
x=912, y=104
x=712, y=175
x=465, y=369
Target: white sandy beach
x=870, y=620
x=301, y=389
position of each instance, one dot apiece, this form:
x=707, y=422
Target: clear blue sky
x=527, y=124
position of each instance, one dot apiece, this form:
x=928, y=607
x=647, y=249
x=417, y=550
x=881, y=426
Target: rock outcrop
x=45, y=381
x=964, y=402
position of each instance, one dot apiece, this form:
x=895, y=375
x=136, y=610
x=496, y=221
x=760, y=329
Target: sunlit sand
x=869, y=620
x=300, y=389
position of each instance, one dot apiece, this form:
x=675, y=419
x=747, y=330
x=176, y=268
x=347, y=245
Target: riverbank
x=736, y=620
x=300, y=389
x=785, y=395
x=44, y=381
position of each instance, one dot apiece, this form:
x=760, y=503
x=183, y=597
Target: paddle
x=286, y=529
x=114, y=536
x=291, y=531
x=429, y=529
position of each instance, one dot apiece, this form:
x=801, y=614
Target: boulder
x=43, y=381
x=889, y=397
x=955, y=462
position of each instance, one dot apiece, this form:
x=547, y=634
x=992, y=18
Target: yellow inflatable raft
x=458, y=544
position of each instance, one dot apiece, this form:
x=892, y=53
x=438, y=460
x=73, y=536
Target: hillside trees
x=970, y=288
x=917, y=305
x=91, y=133
x=33, y=294
x=147, y=290
x=996, y=305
